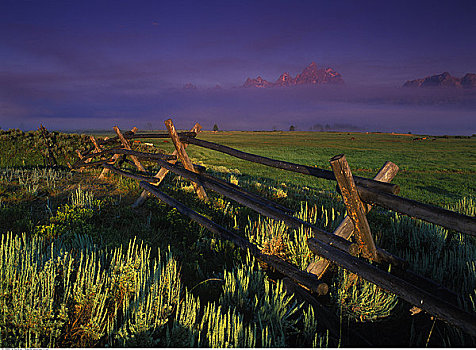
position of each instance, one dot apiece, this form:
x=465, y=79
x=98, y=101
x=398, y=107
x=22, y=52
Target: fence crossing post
x=127, y=145
x=162, y=172
x=50, y=156
x=355, y=207
x=346, y=227
x=81, y=157
x=96, y=150
x=96, y=146
x=182, y=154
x=114, y=158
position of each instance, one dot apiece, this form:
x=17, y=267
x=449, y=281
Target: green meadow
x=435, y=170
x=80, y=267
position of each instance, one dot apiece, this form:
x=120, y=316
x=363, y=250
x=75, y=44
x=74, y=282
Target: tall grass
x=445, y=256
x=221, y=328
x=67, y=291
x=362, y=301
x=31, y=179
x=50, y=297
x=82, y=199
x=255, y=312
x=274, y=237
x=56, y=295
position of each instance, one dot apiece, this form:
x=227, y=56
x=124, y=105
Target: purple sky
x=87, y=64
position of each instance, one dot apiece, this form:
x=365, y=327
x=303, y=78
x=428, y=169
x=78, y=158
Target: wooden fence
x=359, y=195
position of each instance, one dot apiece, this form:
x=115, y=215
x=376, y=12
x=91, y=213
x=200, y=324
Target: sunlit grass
x=225, y=298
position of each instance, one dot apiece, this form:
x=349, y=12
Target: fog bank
x=321, y=108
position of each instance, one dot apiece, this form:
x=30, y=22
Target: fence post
x=127, y=145
x=80, y=156
x=406, y=290
x=182, y=154
x=96, y=150
x=96, y=146
x=346, y=227
x=50, y=157
x=162, y=172
x=114, y=159
x=355, y=207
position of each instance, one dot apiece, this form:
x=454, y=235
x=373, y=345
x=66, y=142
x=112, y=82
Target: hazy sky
x=79, y=64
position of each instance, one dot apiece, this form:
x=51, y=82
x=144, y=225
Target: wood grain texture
x=183, y=156
x=355, y=208
x=346, y=227
x=404, y=289
x=274, y=213
x=116, y=156
x=162, y=171
x=127, y=146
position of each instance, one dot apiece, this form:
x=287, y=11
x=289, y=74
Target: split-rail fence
x=362, y=257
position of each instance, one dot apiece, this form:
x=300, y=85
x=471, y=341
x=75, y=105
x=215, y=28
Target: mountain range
x=311, y=75
x=444, y=80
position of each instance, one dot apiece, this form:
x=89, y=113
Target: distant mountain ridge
x=444, y=80
x=311, y=75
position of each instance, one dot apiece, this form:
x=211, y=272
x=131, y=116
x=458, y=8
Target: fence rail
x=370, y=191
x=359, y=195
x=297, y=168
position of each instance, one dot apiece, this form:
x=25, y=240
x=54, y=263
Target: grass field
x=433, y=170
x=96, y=272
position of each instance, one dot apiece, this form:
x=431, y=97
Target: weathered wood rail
x=359, y=195
x=370, y=191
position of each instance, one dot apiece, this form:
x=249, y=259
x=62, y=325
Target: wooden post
x=369, y=272
x=96, y=149
x=162, y=172
x=80, y=156
x=355, y=207
x=274, y=213
x=127, y=146
x=407, y=291
x=114, y=158
x=182, y=154
x=96, y=146
x=346, y=227
x=399, y=266
x=50, y=157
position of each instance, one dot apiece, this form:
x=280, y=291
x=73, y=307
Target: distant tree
x=215, y=128
x=292, y=128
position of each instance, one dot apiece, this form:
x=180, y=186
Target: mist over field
x=95, y=64
x=320, y=108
